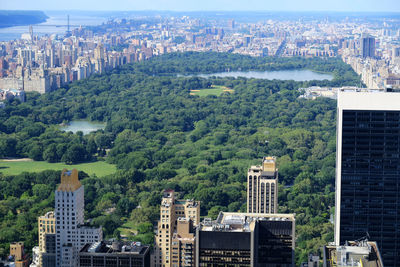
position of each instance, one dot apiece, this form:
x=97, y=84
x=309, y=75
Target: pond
x=297, y=75
x=84, y=126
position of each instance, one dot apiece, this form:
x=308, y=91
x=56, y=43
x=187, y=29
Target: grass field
x=216, y=90
x=128, y=229
x=100, y=168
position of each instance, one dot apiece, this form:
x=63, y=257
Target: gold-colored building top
x=69, y=181
x=269, y=164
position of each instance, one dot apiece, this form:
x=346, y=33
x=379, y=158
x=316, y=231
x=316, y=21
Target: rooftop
x=48, y=215
x=115, y=248
x=368, y=99
x=268, y=168
x=69, y=181
x=354, y=253
x=240, y=222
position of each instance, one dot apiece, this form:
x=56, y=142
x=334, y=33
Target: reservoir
x=84, y=126
x=296, y=75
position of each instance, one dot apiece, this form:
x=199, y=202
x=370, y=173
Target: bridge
x=57, y=25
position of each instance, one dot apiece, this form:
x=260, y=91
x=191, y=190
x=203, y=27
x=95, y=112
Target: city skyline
x=207, y=5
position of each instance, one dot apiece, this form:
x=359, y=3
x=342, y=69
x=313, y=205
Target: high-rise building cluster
x=65, y=239
x=260, y=237
x=45, y=63
x=239, y=239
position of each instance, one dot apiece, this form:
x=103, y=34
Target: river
x=55, y=24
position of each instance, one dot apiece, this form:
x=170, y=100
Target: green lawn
x=100, y=168
x=216, y=90
x=128, y=229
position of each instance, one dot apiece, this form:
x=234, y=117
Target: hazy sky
x=190, y=5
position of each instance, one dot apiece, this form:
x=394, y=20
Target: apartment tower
x=71, y=232
x=368, y=170
x=174, y=241
x=47, y=239
x=262, y=187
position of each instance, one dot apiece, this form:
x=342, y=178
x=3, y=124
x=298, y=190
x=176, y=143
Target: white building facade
x=71, y=233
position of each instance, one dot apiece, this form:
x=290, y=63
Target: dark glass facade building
x=368, y=46
x=245, y=239
x=368, y=172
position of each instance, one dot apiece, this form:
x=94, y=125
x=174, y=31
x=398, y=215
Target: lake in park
x=84, y=126
x=297, y=75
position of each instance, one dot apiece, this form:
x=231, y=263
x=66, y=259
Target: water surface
x=296, y=75
x=55, y=24
x=84, y=126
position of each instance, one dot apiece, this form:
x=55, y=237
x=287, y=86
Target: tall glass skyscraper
x=367, y=46
x=368, y=170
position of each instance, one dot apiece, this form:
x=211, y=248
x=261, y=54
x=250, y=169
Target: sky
x=206, y=5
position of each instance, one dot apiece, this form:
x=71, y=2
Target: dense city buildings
x=116, y=254
x=71, y=232
x=262, y=187
x=174, y=241
x=45, y=63
x=367, y=170
x=246, y=239
x=353, y=253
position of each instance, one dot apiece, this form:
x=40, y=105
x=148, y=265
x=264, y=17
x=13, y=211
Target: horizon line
x=206, y=11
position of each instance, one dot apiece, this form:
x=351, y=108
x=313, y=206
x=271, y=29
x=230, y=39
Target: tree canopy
x=161, y=137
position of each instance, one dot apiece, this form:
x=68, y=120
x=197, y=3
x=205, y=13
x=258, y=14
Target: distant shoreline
x=12, y=18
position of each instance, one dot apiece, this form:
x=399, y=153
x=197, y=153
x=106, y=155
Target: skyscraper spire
x=31, y=32
x=68, y=24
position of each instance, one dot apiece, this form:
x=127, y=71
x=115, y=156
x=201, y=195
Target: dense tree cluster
x=161, y=137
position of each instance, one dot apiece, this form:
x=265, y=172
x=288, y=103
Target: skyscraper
x=183, y=244
x=367, y=46
x=368, y=170
x=47, y=238
x=177, y=219
x=71, y=232
x=99, y=58
x=262, y=187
